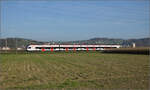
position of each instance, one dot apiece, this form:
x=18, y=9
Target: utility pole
x=6, y=45
x=0, y=29
x=16, y=44
x=59, y=45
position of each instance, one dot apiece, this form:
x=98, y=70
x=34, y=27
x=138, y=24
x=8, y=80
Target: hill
x=17, y=42
x=143, y=42
x=22, y=43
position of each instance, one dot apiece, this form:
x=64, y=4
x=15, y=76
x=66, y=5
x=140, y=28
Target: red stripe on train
x=51, y=49
x=43, y=49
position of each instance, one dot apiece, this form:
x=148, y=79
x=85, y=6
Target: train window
x=113, y=47
x=29, y=47
x=38, y=47
x=47, y=47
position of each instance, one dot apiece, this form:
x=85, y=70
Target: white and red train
x=70, y=47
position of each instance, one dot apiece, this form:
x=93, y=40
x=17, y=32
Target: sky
x=75, y=20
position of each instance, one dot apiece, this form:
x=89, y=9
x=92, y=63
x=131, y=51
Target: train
x=70, y=47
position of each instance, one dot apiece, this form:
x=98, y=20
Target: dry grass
x=74, y=70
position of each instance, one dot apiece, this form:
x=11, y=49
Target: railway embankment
x=145, y=51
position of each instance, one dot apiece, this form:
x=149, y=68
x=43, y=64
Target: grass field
x=74, y=70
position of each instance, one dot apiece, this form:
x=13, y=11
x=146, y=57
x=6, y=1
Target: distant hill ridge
x=22, y=43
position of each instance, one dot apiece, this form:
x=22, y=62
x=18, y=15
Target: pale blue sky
x=75, y=20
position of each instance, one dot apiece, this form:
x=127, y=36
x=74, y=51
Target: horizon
x=75, y=20
x=70, y=40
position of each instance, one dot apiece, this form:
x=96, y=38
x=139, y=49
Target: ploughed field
x=74, y=70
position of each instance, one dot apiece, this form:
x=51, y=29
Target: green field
x=74, y=70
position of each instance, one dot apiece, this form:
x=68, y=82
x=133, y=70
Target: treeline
x=17, y=42
x=143, y=42
x=22, y=43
